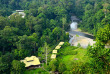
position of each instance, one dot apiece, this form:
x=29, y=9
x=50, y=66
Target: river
x=81, y=34
x=73, y=27
x=82, y=38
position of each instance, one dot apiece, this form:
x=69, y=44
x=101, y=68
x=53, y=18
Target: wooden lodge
x=53, y=56
x=54, y=51
x=31, y=62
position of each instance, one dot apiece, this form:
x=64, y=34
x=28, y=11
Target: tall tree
x=8, y=38
x=17, y=67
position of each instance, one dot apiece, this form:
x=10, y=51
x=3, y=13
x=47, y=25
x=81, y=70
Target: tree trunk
x=57, y=37
x=63, y=26
x=46, y=55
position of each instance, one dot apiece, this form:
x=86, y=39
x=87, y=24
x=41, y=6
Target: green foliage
x=100, y=56
x=103, y=34
x=62, y=67
x=38, y=71
x=75, y=59
x=99, y=53
x=21, y=53
x=94, y=16
x=78, y=45
x=77, y=35
x=17, y=67
x=44, y=52
x=17, y=21
x=67, y=72
x=5, y=63
x=65, y=44
x=27, y=42
x=8, y=38
x=3, y=22
x=46, y=21
x=53, y=65
x=3, y=68
x=57, y=33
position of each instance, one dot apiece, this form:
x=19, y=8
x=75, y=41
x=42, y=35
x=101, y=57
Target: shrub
x=79, y=45
x=53, y=65
x=17, y=67
x=62, y=67
x=67, y=72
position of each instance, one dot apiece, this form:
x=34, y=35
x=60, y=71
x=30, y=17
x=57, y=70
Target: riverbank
x=83, y=41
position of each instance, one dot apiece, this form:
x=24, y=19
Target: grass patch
x=77, y=35
x=69, y=50
x=36, y=71
x=73, y=55
x=81, y=55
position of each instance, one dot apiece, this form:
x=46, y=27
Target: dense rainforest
x=44, y=26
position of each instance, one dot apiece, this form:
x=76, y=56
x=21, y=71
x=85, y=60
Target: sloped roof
x=53, y=56
x=54, y=51
x=33, y=60
x=61, y=43
x=30, y=58
x=22, y=14
x=58, y=47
